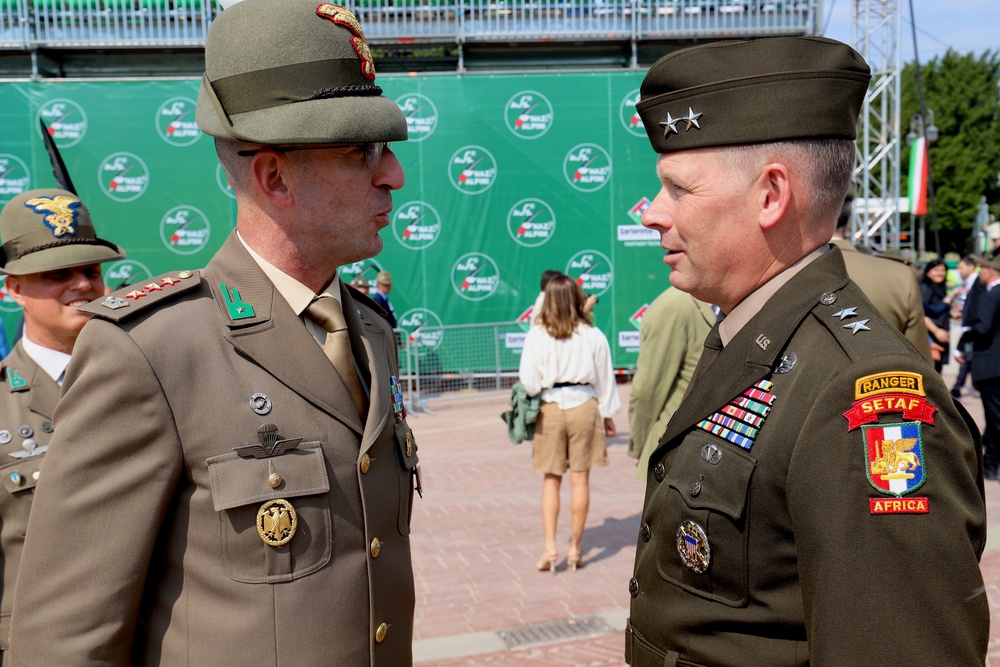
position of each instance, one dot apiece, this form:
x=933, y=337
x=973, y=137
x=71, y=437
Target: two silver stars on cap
x=670, y=124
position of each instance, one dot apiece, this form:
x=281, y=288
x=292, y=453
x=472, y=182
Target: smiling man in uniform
x=817, y=498
x=233, y=475
x=52, y=260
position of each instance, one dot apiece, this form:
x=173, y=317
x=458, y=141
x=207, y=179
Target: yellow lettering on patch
x=901, y=382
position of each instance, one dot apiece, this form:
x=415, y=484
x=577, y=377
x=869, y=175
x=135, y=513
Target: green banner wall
x=506, y=176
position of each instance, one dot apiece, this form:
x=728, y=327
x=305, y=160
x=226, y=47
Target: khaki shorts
x=569, y=439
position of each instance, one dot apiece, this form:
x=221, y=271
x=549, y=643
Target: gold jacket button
x=376, y=548
x=35, y=475
x=366, y=464
x=274, y=480
x=381, y=632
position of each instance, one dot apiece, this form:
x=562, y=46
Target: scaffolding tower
x=876, y=217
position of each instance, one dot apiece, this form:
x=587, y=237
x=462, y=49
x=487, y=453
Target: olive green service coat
x=671, y=338
x=893, y=289
x=28, y=398
x=808, y=563
x=144, y=546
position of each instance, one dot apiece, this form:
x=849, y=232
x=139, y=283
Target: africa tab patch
x=741, y=419
x=896, y=391
x=895, y=454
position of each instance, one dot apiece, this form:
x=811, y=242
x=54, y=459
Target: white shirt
x=53, y=362
x=584, y=358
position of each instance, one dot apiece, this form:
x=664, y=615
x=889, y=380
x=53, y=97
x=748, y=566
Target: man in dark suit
x=818, y=489
x=985, y=335
x=232, y=475
x=971, y=291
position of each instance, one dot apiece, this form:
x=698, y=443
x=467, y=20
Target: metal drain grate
x=541, y=633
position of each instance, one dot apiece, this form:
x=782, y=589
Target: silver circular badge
x=260, y=403
x=787, y=363
x=5, y=437
x=828, y=299
x=692, y=545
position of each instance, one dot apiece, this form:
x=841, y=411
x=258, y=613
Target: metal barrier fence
x=455, y=361
x=26, y=24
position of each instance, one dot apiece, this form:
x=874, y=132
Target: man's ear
x=775, y=194
x=272, y=178
x=13, y=287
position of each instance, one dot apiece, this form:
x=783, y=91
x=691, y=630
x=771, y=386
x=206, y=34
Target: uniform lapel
x=369, y=341
x=43, y=391
x=270, y=334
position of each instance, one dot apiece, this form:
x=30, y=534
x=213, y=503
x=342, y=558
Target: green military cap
x=293, y=72
x=753, y=91
x=50, y=229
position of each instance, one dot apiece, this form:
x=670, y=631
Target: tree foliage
x=964, y=93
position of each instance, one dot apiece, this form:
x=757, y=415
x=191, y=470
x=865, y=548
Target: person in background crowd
x=890, y=285
x=383, y=285
x=968, y=296
x=232, y=479
x=589, y=300
x=984, y=333
x=361, y=284
x=567, y=361
x=937, y=307
x=814, y=445
x=52, y=261
x=671, y=338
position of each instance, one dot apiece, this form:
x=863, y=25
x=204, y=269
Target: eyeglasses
x=372, y=150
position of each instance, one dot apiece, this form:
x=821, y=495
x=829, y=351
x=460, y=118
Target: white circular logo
x=423, y=329
x=472, y=170
x=123, y=176
x=416, y=225
x=531, y=222
x=475, y=276
x=587, y=167
x=65, y=120
x=421, y=115
x=592, y=271
x=629, y=117
x=528, y=114
x=15, y=177
x=175, y=122
x=185, y=230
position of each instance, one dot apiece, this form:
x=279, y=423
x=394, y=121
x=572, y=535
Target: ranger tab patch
x=896, y=391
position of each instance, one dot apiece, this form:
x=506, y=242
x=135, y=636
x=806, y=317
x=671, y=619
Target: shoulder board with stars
x=128, y=301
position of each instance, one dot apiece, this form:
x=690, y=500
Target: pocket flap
x=22, y=474
x=237, y=481
x=407, y=443
x=722, y=487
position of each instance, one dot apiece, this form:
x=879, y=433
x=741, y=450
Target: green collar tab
x=238, y=308
x=15, y=379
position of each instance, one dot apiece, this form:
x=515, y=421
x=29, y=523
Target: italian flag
x=918, y=177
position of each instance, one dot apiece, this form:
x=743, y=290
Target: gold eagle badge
x=61, y=213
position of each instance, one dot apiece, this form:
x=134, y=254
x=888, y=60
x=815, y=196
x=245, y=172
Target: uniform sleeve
x=662, y=349
x=110, y=471
x=886, y=579
x=606, y=389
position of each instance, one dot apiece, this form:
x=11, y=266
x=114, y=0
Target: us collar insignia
x=670, y=124
x=740, y=420
x=396, y=389
x=15, y=380
x=62, y=213
x=895, y=454
x=342, y=16
x=238, y=308
x=895, y=391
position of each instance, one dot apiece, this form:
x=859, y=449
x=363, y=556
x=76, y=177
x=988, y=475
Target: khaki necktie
x=326, y=312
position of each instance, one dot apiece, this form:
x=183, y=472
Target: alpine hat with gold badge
x=818, y=488
x=45, y=232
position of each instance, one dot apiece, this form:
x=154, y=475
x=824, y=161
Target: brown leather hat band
x=263, y=89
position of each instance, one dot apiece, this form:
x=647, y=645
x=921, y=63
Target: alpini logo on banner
x=14, y=177
x=472, y=170
x=421, y=115
x=223, y=182
x=66, y=120
x=629, y=116
x=185, y=230
x=416, y=225
x=175, y=122
x=126, y=272
x=528, y=114
x=423, y=329
x=475, y=276
x=531, y=222
x=587, y=167
x=366, y=268
x=592, y=271
x=123, y=176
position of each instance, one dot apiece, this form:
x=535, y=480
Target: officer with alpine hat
x=51, y=257
x=234, y=469
x=817, y=497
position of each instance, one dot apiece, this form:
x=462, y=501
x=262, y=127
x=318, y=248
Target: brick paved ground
x=477, y=534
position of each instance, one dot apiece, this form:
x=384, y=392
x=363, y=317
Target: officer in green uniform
x=232, y=479
x=52, y=261
x=817, y=498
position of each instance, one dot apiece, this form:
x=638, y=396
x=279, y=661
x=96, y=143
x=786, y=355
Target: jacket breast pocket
x=274, y=514
x=716, y=498
x=406, y=447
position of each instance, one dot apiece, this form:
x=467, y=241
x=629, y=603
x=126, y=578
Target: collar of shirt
x=752, y=304
x=295, y=293
x=971, y=280
x=53, y=362
x=992, y=285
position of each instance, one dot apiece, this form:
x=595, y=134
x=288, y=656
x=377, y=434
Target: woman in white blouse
x=568, y=362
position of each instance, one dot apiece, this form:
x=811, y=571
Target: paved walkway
x=477, y=534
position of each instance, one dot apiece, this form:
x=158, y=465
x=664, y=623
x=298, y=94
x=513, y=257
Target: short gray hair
x=827, y=166
x=235, y=168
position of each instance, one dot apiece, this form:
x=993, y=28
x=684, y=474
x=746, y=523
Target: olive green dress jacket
x=671, y=338
x=146, y=543
x=841, y=524
x=28, y=398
